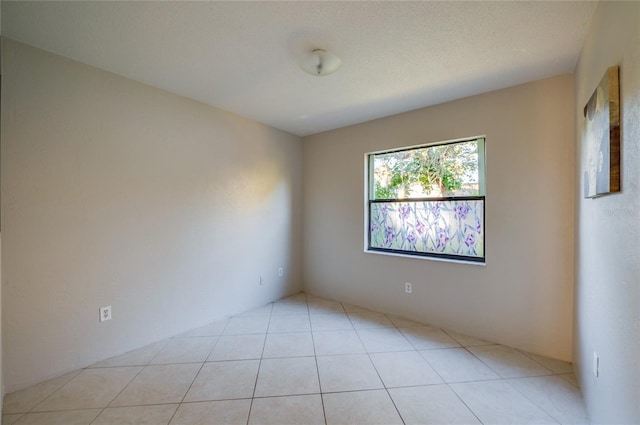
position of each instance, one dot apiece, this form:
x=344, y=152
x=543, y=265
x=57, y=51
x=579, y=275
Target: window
x=428, y=201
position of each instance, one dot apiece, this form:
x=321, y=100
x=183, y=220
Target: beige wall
x=116, y=193
x=607, y=301
x=523, y=297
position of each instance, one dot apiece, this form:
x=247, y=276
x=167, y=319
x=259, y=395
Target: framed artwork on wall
x=601, y=138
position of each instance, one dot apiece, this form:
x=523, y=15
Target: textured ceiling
x=242, y=56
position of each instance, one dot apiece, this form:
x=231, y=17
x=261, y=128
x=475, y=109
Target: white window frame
x=369, y=189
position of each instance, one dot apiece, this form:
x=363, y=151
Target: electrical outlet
x=596, y=364
x=408, y=288
x=261, y=281
x=280, y=271
x=105, y=313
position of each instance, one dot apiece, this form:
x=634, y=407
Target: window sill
x=419, y=257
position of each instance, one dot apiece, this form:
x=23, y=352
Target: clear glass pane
x=429, y=172
x=443, y=227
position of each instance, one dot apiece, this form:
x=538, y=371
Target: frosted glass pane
x=453, y=227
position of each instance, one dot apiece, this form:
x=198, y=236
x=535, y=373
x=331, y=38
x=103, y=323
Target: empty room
x=319, y=212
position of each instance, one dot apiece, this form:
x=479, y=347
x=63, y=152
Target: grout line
x=529, y=355
x=463, y=402
x=150, y=364
x=277, y=396
x=119, y=392
x=54, y=411
x=75, y=373
x=159, y=351
x=20, y=416
x=483, y=362
x=264, y=344
x=197, y=373
x=501, y=378
x=188, y=389
x=315, y=358
x=448, y=384
x=55, y=391
x=384, y=385
x=506, y=380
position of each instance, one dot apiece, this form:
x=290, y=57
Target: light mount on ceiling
x=319, y=62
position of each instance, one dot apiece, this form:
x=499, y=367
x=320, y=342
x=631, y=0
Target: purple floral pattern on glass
x=447, y=227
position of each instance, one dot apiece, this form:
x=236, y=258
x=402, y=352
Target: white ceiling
x=242, y=56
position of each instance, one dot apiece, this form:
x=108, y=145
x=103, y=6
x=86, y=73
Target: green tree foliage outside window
x=433, y=171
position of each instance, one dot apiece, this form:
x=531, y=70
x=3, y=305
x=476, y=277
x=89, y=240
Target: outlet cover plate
x=105, y=313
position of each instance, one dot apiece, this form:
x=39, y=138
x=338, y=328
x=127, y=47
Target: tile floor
x=308, y=360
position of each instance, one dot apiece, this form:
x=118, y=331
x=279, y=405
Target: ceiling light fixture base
x=319, y=63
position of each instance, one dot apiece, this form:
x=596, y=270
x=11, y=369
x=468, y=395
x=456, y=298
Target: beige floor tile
x=287, y=376
x=227, y=412
x=557, y=397
x=554, y=365
x=224, y=381
x=337, y=342
x=290, y=323
x=299, y=297
x=288, y=345
x=508, y=362
x=290, y=307
x=264, y=310
x=383, y=340
x=458, y=365
x=369, y=320
x=92, y=388
x=360, y=407
x=352, y=308
x=330, y=322
x=25, y=400
x=570, y=378
x=247, y=325
x=401, y=322
x=466, y=340
x=313, y=297
x=403, y=369
x=347, y=372
x=212, y=329
x=185, y=350
x=324, y=307
x=238, y=347
x=69, y=417
x=11, y=419
x=300, y=409
x=434, y=404
x=497, y=402
x=158, y=384
x=136, y=415
x=139, y=357
x=428, y=338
